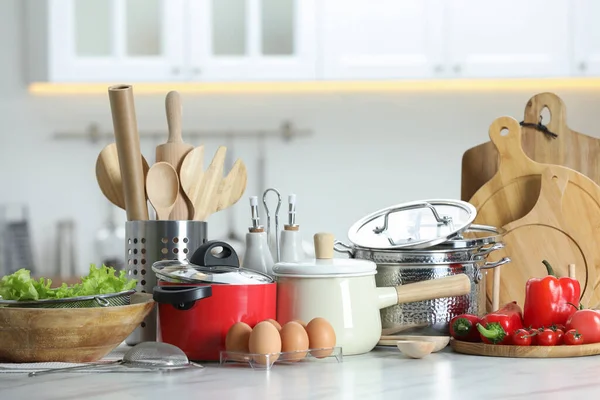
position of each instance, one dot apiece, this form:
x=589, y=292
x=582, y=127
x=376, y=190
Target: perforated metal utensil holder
x=149, y=241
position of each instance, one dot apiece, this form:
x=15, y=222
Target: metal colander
x=103, y=300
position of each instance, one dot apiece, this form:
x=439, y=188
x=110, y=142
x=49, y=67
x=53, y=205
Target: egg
x=301, y=323
x=238, y=337
x=265, y=339
x=294, y=338
x=275, y=324
x=320, y=335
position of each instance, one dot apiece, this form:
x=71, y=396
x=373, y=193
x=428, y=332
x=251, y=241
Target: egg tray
x=288, y=357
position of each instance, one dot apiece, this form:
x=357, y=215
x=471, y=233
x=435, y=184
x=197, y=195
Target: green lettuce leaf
x=103, y=280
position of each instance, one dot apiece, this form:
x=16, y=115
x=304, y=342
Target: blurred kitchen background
x=383, y=98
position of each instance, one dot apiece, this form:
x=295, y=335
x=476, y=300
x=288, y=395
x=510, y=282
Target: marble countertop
x=381, y=374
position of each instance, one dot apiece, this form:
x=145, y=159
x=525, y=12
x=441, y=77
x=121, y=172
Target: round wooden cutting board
x=496, y=350
x=564, y=227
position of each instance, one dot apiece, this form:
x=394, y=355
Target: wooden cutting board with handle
x=569, y=148
x=514, y=191
x=545, y=234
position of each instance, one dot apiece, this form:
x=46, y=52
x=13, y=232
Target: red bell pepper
x=547, y=300
x=498, y=327
x=463, y=327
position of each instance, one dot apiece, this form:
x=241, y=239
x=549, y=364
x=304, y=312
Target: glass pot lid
x=184, y=271
x=213, y=262
x=414, y=225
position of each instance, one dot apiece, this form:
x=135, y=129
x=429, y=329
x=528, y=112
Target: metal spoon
x=149, y=356
x=162, y=186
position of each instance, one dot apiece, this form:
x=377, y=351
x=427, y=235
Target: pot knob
x=324, y=245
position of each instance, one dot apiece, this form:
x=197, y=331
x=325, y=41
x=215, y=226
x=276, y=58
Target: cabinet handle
x=457, y=68
x=438, y=69
x=175, y=71
x=196, y=71
x=582, y=66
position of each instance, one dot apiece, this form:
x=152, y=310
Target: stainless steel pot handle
x=343, y=248
x=102, y=302
x=488, y=250
x=488, y=265
x=445, y=220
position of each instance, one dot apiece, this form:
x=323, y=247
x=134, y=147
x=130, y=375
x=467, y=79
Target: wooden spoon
x=162, y=186
x=108, y=175
x=415, y=348
x=190, y=175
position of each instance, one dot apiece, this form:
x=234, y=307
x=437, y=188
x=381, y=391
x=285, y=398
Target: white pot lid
x=325, y=266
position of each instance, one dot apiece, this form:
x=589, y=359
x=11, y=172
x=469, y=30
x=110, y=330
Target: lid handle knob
x=324, y=245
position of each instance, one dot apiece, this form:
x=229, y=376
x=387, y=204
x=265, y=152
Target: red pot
x=196, y=315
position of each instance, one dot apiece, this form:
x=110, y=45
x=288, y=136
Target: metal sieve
x=101, y=300
x=143, y=357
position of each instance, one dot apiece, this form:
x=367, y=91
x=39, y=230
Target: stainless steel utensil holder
x=149, y=241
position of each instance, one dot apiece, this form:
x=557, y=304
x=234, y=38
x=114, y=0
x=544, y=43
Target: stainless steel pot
x=423, y=241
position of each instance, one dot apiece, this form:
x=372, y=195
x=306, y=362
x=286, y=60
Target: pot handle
x=203, y=255
x=488, y=250
x=449, y=286
x=504, y=260
x=181, y=297
x=341, y=247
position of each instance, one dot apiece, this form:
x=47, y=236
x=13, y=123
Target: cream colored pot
x=343, y=291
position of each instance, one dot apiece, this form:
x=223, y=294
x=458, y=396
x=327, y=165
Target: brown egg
x=275, y=324
x=238, y=337
x=301, y=323
x=265, y=339
x=320, y=335
x=294, y=338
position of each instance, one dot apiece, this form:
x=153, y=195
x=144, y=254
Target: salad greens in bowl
x=101, y=287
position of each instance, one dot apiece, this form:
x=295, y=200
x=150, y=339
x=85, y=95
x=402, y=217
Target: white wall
x=368, y=150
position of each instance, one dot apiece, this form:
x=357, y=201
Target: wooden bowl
x=68, y=334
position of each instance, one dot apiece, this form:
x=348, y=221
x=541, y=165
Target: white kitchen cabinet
x=109, y=40
x=509, y=38
x=384, y=39
x=586, y=38
x=249, y=40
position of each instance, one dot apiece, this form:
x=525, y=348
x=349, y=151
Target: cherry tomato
x=534, y=335
x=560, y=335
x=547, y=337
x=586, y=322
x=521, y=337
x=572, y=337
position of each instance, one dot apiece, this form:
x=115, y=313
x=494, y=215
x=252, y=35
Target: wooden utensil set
x=176, y=185
x=550, y=208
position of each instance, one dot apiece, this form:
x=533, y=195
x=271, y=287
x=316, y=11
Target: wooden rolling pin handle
x=323, y=245
x=572, y=271
x=128, y=148
x=449, y=286
x=174, y=112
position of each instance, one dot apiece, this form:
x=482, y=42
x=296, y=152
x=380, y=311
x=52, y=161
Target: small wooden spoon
x=162, y=186
x=415, y=348
x=108, y=175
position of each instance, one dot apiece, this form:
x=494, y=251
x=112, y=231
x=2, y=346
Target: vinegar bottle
x=257, y=256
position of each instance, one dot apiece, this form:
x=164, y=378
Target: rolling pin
x=128, y=148
x=174, y=151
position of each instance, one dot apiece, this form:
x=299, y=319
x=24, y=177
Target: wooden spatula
x=207, y=192
x=108, y=174
x=174, y=151
x=232, y=187
x=190, y=176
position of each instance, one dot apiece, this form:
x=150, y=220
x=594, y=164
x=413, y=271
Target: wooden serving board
x=570, y=149
x=563, y=231
x=495, y=350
